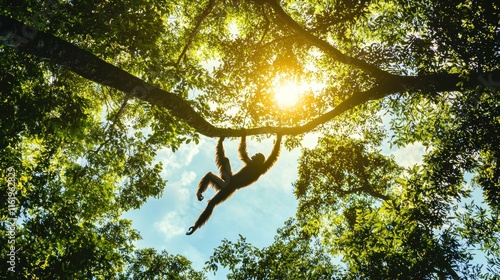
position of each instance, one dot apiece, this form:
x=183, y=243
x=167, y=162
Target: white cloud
x=176, y=197
x=187, y=178
x=183, y=195
x=183, y=157
x=171, y=225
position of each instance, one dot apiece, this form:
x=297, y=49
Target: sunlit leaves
x=79, y=162
x=338, y=169
x=148, y=264
x=86, y=153
x=293, y=255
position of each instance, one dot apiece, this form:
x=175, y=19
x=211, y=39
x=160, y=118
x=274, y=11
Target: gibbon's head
x=258, y=158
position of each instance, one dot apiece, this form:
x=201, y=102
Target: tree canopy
x=90, y=91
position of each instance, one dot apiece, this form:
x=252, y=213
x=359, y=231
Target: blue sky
x=255, y=212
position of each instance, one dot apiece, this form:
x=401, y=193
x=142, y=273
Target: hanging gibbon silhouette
x=228, y=183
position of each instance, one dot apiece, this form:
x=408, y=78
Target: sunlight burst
x=287, y=94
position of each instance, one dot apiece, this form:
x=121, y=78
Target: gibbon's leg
x=202, y=219
x=209, y=179
x=217, y=182
x=218, y=198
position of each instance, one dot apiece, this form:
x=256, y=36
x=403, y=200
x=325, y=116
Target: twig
x=203, y=16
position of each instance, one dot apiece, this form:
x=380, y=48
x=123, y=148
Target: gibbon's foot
x=200, y=197
x=190, y=231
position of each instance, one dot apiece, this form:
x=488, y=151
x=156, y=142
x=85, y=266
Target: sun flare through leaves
x=287, y=93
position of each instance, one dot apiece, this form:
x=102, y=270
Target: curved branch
x=429, y=84
x=320, y=28
x=324, y=45
x=353, y=101
x=48, y=47
x=111, y=129
x=266, y=27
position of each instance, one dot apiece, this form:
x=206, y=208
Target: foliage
x=76, y=174
x=371, y=75
x=148, y=264
x=293, y=255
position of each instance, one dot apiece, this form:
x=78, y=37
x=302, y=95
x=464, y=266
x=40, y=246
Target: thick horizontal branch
x=48, y=47
x=430, y=84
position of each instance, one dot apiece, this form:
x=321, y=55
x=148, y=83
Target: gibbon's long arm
x=274, y=154
x=220, y=157
x=243, y=151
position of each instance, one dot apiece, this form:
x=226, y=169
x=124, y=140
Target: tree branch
x=319, y=28
x=203, y=16
x=324, y=45
x=431, y=84
x=111, y=129
x=48, y=47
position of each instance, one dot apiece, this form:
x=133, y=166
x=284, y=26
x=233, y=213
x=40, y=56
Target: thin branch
x=311, y=30
x=266, y=27
x=109, y=131
x=452, y=272
x=107, y=137
x=324, y=45
x=203, y=16
x=348, y=17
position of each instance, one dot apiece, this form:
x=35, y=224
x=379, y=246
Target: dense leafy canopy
x=148, y=264
x=370, y=74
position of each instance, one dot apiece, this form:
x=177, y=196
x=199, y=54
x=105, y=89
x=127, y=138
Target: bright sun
x=288, y=93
